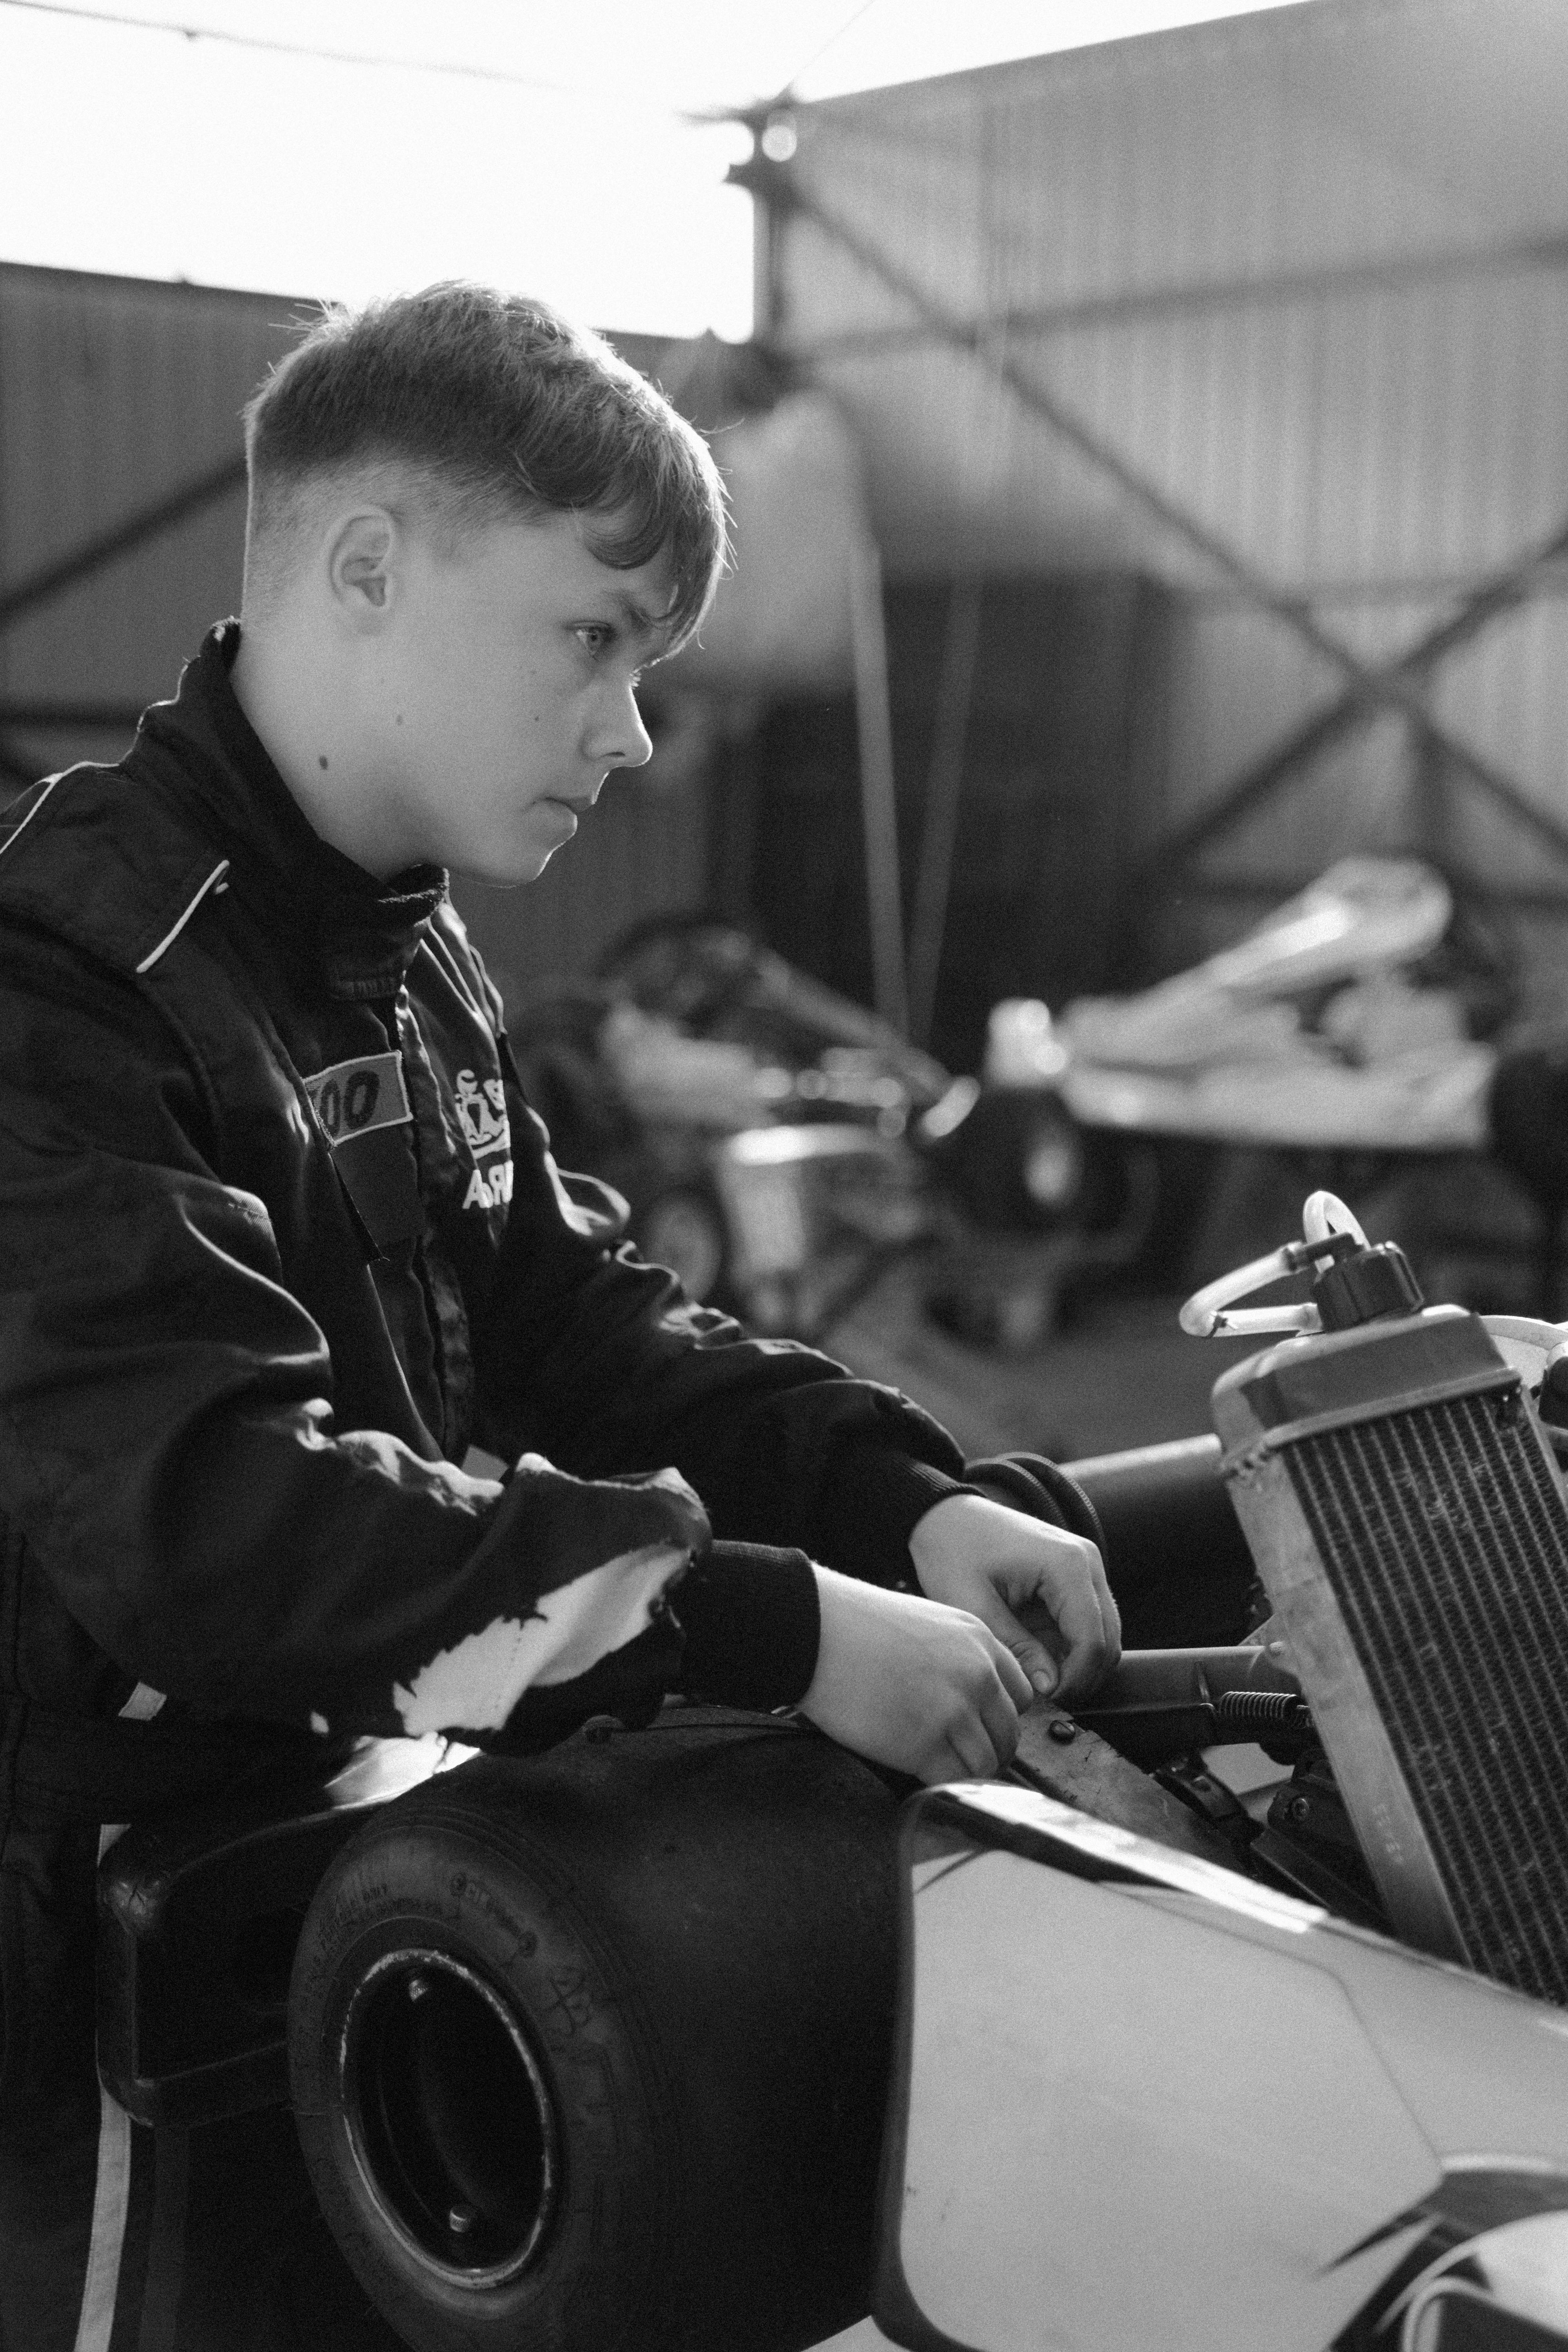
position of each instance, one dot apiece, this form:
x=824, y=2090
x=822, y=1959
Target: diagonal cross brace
x=1371, y=687
x=147, y=523
x=1374, y=275
x=1505, y=588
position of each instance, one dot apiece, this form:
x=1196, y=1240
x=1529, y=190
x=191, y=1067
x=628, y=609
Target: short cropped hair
x=484, y=406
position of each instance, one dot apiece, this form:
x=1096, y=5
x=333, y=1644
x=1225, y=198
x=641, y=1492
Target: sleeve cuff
x=1043, y=1489
x=752, y=1621
x=873, y=1499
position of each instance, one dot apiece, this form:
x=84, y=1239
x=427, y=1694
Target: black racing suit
x=280, y=1239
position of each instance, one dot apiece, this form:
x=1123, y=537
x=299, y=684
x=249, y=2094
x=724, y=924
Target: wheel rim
x=448, y=2118
x=680, y=1230
x=1052, y=1168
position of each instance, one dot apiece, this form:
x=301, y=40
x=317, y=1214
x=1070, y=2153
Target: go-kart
x=1360, y=1014
x=779, y=1145
x=708, y=2035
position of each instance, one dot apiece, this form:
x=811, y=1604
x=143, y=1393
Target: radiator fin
x=1445, y=1539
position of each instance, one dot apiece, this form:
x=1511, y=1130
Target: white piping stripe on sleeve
x=220, y=870
x=110, y=2203
x=111, y=2197
x=142, y=1706
x=111, y=2188
x=32, y=813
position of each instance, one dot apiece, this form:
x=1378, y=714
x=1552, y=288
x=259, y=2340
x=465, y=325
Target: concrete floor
x=1123, y=1374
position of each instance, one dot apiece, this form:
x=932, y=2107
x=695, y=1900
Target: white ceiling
x=556, y=150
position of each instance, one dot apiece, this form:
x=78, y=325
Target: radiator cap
x=1364, y=1284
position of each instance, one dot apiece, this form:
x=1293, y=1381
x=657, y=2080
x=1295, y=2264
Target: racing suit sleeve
x=169, y=1450
x=599, y=1360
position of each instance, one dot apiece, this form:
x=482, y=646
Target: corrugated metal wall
x=1062, y=752
x=114, y=392
x=1306, y=272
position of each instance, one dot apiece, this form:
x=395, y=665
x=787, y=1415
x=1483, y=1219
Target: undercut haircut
x=476, y=407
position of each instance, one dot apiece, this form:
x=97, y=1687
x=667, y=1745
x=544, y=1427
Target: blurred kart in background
x=779, y=1147
x=1369, y=1034
x=1359, y=1015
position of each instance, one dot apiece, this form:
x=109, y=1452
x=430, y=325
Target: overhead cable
x=457, y=67
x=822, y=47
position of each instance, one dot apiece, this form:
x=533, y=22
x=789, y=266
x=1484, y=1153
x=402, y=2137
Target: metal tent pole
x=944, y=788
x=879, y=806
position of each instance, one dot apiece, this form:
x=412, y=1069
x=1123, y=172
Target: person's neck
x=303, y=719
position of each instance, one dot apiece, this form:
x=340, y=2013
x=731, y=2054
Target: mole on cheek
x=400, y=717
x=322, y=757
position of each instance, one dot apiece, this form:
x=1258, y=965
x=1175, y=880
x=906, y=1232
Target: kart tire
x=683, y=1228
x=1018, y=1162
x=591, y=2049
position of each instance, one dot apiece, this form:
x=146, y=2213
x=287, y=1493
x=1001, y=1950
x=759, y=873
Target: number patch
x=356, y=1097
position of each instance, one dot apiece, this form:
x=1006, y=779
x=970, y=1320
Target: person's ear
x=364, y=562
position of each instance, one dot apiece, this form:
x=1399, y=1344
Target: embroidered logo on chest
x=481, y=1106
x=356, y=1097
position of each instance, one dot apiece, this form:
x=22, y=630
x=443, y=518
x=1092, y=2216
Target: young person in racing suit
x=280, y=1239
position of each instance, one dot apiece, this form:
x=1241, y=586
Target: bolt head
x=1061, y=1730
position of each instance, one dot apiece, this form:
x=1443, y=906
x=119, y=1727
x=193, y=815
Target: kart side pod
x=590, y=2048
x=1143, y=2101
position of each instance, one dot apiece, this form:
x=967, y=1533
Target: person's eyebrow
x=639, y=618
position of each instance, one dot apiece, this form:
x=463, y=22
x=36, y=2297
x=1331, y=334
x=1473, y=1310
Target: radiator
x=1410, y=1524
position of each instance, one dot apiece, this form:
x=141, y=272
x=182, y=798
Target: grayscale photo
x=783, y=1176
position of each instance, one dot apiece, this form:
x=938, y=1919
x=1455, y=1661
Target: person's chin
x=520, y=861
x=506, y=873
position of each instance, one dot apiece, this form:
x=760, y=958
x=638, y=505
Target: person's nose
x=619, y=739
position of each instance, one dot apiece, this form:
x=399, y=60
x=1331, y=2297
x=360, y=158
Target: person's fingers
x=1035, y=1661
x=1008, y=1642
x=1040, y=1668
x=1084, y=1667
x=1072, y=1595
x=981, y=1723
x=1110, y=1613
x=965, y=1754
x=1022, y=1660
x=998, y=1712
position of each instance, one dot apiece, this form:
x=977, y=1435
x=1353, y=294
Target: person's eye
x=597, y=637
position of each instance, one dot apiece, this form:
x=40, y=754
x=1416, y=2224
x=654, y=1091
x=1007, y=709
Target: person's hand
x=1041, y=1591
x=912, y=1684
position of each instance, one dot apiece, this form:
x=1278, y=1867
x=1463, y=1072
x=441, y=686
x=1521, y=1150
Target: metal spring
x=1255, y=1711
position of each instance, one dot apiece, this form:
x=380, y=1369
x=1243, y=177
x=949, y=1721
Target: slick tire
x=590, y=2050
x=683, y=1228
x=468, y=2060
